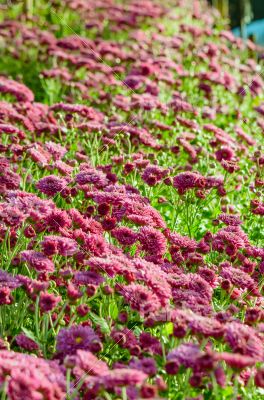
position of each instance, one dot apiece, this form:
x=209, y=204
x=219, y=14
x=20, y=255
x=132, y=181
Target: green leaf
x=113, y=310
x=29, y=334
x=101, y=322
x=168, y=328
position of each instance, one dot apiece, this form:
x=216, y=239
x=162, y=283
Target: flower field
x=131, y=203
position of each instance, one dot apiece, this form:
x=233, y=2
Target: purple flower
x=59, y=245
x=236, y=361
x=140, y=298
x=186, y=354
x=123, y=377
x=8, y=280
x=124, y=235
x=37, y=260
x=207, y=327
x=77, y=337
x=50, y=185
x=244, y=339
x=56, y=150
x=92, y=176
x=152, y=241
x=20, y=91
x=153, y=174
x=188, y=180
x=26, y=343
x=48, y=301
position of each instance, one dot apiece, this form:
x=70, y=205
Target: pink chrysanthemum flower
x=59, y=245
x=188, y=180
x=140, y=298
x=37, y=260
x=26, y=343
x=51, y=185
x=153, y=174
x=152, y=241
x=124, y=235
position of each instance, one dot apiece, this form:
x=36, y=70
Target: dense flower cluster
x=131, y=204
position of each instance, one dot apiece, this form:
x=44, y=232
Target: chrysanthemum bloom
x=259, y=378
x=59, y=245
x=230, y=166
x=245, y=340
x=86, y=363
x=140, y=298
x=225, y=153
x=186, y=354
x=48, y=301
x=9, y=180
x=207, y=274
x=123, y=377
x=91, y=176
x=37, y=260
x=207, y=327
x=50, y=185
x=235, y=360
x=147, y=365
x=149, y=343
x=238, y=278
x=20, y=91
x=88, y=277
x=95, y=245
x=124, y=235
x=152, y=241
x=26, y=343
x=56, y=150
x=77, y=337
x=153, y=174
x=57, y=220
x=188, y=180
x=8, y=280
x=28, y=376
x=80, y=109
x=253, y=315
x=5, y=296
x=229, y=219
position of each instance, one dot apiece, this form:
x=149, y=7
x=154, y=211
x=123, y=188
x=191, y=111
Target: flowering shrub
x=131, y=203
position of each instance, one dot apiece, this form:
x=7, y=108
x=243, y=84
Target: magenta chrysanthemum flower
x=20, y=91
x=229, y=219
x=77, y=337
x=225, y=153
x=188, y=180
x=57, y=220
x=207, y=327
x=92, y=176
x=28, y=376
x=56, y=150
x=124, y=235
x=236, y=361
x=152, y=241
x=48, y=301
x=86, y=363
x=153, y=174
x=186, y=354
x=140, y=298
x=26, y=343
x=244, y=340
x=37, y=260
x=51, y=185
x=238, y=278
x=123, y=377
x=59, y=245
